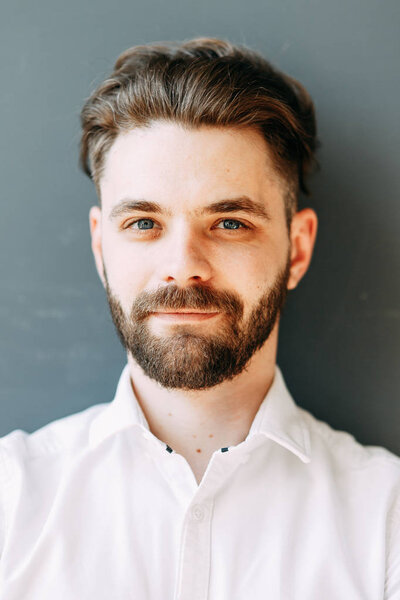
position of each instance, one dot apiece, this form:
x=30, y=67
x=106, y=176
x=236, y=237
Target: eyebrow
x=241, y=204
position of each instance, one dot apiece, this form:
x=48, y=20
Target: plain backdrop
x=339, y=342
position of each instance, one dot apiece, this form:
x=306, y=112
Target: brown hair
x=203, y=82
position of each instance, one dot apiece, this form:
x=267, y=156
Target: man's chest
x=142, y=528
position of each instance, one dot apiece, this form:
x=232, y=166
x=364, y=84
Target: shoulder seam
x=327, y=433
x=6, y=477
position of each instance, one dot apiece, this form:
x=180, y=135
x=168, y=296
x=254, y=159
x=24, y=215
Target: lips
x=184, y=312
x=184, y=315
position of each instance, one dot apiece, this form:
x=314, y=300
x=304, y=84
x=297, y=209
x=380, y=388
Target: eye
x=233, y=224
x=142, y=224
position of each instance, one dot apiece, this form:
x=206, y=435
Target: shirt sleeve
x=392, y=583
x=5, y=488
x=2, y=501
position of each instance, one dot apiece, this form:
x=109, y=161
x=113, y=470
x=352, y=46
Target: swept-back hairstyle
x=203, y=82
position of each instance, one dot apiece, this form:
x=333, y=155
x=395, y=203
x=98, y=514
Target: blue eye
x=233, y=224
x=148, y=224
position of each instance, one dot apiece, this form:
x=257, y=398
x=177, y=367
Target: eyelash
x=243, y=226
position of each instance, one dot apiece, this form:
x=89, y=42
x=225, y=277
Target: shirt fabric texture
x=93, y=506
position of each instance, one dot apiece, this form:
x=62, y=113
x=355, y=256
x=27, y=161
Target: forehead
x=168, y=163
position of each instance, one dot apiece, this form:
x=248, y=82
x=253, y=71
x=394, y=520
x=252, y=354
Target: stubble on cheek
x=191, y=358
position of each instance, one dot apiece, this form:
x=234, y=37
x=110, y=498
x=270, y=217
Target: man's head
x=198, y=152
x=203, y=82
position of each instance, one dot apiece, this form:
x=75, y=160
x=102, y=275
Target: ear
x=303, y=231
x=95, y=232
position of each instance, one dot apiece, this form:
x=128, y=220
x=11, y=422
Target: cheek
x=254, y=270
x=245, y=270
x=126, y=268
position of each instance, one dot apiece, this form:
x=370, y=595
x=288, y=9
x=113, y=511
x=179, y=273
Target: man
x=202, y=479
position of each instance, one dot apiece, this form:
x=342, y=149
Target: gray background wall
x=339, y=346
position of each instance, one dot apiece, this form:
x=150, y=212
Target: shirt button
x=198, y=512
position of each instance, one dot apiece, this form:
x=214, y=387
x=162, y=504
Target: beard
x=185, y=359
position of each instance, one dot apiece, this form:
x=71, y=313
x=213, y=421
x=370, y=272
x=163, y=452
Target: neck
x=197, y=423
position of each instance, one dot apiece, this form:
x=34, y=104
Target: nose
x=183, y=259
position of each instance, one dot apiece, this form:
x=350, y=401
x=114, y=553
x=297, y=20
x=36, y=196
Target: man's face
x=176, y=234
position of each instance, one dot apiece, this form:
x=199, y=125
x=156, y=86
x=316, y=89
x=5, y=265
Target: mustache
x=193, y=297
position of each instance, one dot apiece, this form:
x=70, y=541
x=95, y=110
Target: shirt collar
x=278, y=418
x=123, y=412
x=281, y=420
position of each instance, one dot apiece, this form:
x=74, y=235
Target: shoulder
x=345, y=453
x=32, y=464
x=62, y=436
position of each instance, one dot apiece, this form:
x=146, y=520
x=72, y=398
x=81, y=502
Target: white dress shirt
x=95, y=507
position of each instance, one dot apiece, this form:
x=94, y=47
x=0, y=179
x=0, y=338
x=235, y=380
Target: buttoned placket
x=193, y=572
